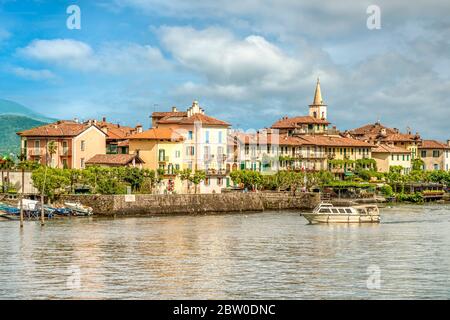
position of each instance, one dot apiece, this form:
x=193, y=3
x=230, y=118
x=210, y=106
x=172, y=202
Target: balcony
x=32, y=152
x=216, y=172
x=64, y=152
x=164, y=159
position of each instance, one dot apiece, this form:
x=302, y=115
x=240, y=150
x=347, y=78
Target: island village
x=190, y=152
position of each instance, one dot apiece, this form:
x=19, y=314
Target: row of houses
x=193, y=140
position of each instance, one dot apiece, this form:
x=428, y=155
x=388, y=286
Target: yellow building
x=160, y=148
x=388, y=156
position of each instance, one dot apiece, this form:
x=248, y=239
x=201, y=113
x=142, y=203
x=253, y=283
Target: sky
x=247, y=62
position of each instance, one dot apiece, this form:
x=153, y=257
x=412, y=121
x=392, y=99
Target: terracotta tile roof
x=316, y=140
x=389, y=149
x=372, y=129
x=57, y=129
x=296, y=121
x=400, y=137
x=196, y=118
x=334, y=141
x=433, y=144
x=114, y=159
x=379, y=132
x=115, y=131
x=157, y=134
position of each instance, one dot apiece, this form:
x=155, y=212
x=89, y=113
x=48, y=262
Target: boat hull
x=340, y=218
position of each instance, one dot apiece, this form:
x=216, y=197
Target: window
x=177, y=154
x=392, y=157
x=398, y=157
x=219, y=181
x=207, y=182
x=65, y=148
x=190, y=135
x=436, y=153
x=83, y=145
x=177, y=167
x=423, y=153
x=82, y=163
x=436, y=166
x=220, y=137
x=37, y=147
x=162, y=155
x=64, y=162
x=207, y=137
x=220, y=151
x=190, y=151
x=403, y=157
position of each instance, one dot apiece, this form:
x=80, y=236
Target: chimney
x=75, y=120
x=104, y=119
x=174, y=109
x=139, y=128
x=448, y=142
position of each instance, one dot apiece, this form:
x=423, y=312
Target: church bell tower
x=318, y=109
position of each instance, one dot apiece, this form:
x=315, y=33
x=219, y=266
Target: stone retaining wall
x=143, y=204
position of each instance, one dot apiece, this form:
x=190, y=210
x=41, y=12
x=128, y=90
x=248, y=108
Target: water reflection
x=265, y=255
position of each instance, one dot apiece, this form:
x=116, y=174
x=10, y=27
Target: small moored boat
x=328, y=213
x=78, y=209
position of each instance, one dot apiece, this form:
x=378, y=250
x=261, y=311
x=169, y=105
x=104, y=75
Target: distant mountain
x=14, y=118
x=11, y=107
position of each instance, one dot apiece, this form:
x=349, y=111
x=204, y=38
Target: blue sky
x=248, y=62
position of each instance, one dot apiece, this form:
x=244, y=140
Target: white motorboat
x=328, y=213
x=78, y=209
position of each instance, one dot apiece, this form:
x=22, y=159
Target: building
x=204, y=142
x=116, y=160
x=63, y=144
x=267, y=151
x=314, y=123
x=257, y=151
x=377, y=134
x=388, y=156
x=116, y=135
x=435, y=155
x=161, y=149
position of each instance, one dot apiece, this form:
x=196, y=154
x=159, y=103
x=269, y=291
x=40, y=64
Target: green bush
x=410, y=197
x=386, y=190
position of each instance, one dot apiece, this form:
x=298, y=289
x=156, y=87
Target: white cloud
x=239, y=67
x=108, y=58
x=31, y=74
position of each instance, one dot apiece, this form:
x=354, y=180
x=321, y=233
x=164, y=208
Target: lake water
x=253, y=256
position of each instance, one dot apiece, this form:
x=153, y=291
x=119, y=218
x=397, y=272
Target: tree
x=6, y=165
x=50, y=181
x=185, y=176
x=197, y=178
x=418, y=164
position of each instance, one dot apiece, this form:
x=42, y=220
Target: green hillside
x=15, y=117
x=9, y=125
x=11, y=107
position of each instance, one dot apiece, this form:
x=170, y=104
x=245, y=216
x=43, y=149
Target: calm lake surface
x=254, y=256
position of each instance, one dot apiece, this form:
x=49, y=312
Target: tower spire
x=318, y=109
x=318, y=95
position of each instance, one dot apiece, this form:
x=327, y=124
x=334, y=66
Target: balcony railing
x=64, y=152
x=34, y=152
x=164, y=159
